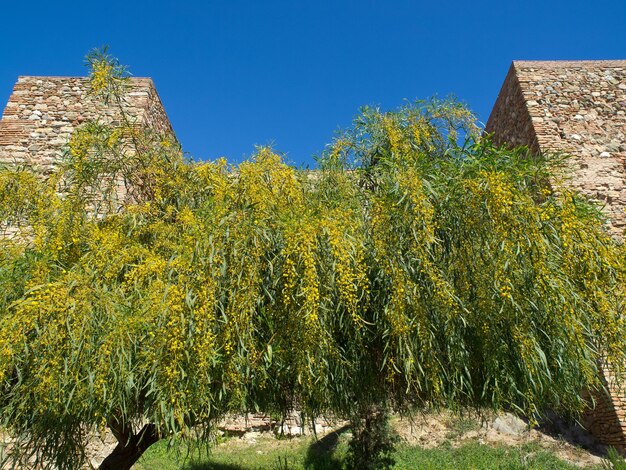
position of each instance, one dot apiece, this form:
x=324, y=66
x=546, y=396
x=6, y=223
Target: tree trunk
x=372, y=440
x=130, y=447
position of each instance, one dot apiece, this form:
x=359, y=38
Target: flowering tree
x=407, y=271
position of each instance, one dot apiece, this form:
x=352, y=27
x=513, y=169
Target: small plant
x=460, y=425
x=282, y=464
x=614, y=460
x=373, y=440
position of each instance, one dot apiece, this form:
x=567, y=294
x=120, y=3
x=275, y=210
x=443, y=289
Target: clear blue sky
x=236, y=73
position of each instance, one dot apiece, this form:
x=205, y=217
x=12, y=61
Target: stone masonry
x=576, y=108
x=43, y=112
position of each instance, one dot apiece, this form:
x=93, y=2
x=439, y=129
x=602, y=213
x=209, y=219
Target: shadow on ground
x=571, y=432
x=319, y=456
x=213, y=466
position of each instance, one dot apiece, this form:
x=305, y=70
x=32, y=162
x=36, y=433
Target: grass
x=329, y=452
x=476, y=456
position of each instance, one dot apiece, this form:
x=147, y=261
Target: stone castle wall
x=607, y=420
x=577, y=108
x=43, y=112
x=510, y=122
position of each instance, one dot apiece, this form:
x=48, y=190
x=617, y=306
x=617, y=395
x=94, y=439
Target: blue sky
x=237, y=73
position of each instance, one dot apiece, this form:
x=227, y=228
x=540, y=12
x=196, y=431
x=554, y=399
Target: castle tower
x=42, y=113
x=576, y=108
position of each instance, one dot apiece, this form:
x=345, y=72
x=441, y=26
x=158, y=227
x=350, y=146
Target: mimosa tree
x=407, y=271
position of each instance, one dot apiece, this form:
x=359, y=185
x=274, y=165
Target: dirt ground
x=567, y=441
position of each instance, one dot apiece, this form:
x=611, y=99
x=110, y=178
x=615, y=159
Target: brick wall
x=510, y=121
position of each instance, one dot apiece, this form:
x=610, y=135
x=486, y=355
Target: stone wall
x=607, y=420
x=577, y=108
x=510, y=122
x=42, y=113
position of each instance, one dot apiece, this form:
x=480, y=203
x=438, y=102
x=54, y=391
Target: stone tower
x=576, y=108
x=42, y=113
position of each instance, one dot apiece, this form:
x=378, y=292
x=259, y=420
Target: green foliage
x=372, y=441
x=479, y=456
x=614, y=460
x=296, y=453
x=407, y=271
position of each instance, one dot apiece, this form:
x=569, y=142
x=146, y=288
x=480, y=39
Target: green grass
x=329, y=453
x=476, y=456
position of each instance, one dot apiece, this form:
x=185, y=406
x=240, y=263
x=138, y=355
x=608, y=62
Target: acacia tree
x=407, y=271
